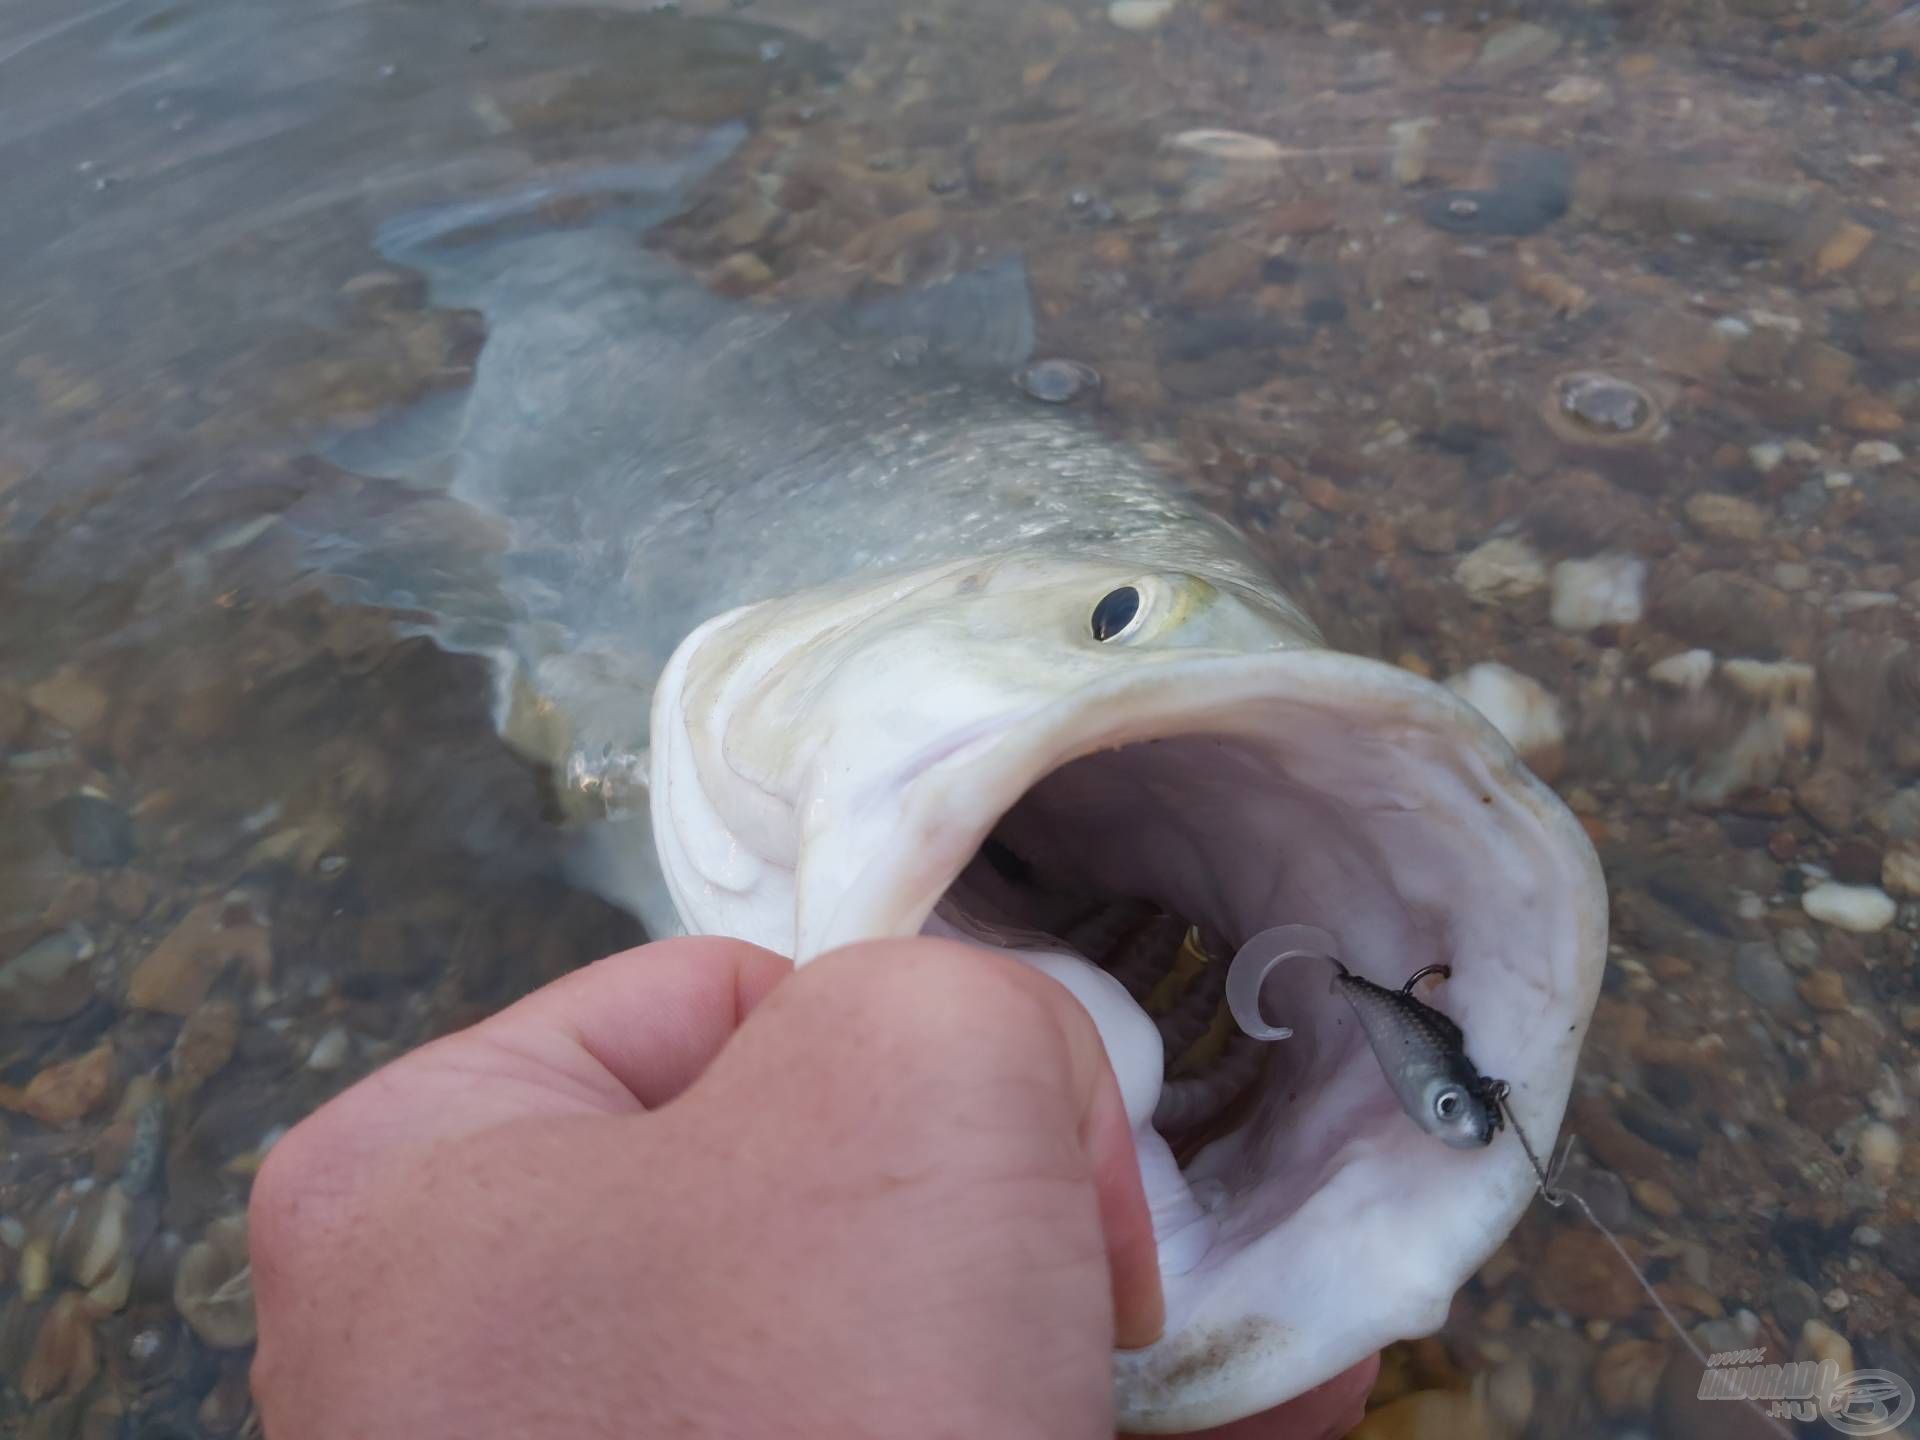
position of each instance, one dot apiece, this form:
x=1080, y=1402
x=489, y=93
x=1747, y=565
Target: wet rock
x=1593, y=407
x=1140, y=14
x=1856, y=861
x=99, y=1247
x=50, y=980
x=1863, y=909
x=1412, y=140
x=1606, y=590
x=1869, y=414
x=1824, y=990
x=213, y=1288
x=1580, y=1274
x=67, y=1091
x=130, y=893
x=1656, y=1199
x=1846, y=244
x=1515, y=47
x=1727, y=611
x=1830, y=798
x=1520, y=709
x=1626, y=1375
x=92, y=829
x=65, y=1357
x=14, y=718
x=1727, y=517
x=205, y=1043
x=70, y=700
x=1680, y=1413
x=1900, y=872
x=331, y=1050
x=1878, y=1146
x=1500, y=571
x=177, y=973
x=1760, y=972
x=1534, y=189
x=1794, y=1302
x=1874, y=455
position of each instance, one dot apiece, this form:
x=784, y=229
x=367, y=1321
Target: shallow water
x=1460, y=303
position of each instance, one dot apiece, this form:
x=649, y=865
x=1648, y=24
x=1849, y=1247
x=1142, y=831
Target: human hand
x=901, y=1200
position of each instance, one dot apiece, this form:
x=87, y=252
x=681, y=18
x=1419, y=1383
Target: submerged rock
x=1606, y=590
x=50, y=980
x=1501, y=570
x=213, y=1288
x=1863, y=909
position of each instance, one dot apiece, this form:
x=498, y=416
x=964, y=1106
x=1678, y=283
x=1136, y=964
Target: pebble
x=1656, y=1199
x=1475, y=319
x=1580, y=1274
x=1900, y=872
x=64, y=1358
x=1875, y=455
x=330, y=1050
x=1412, y=140
x=1605, y=590
x=1878, y=1146
x=1514, y=47
x=1820, y=1342
x=1863, y=909
x=1057, y=381
x=1139, y=14
x=1604, y=406
x=205, y=1043
x=67, y=1091
x=1687, y=671
x=69, y=700
x=1760, y=972
x=1519, y=708
x=1625, y=1376
x=1500, y=571
x=1824, y=990
x=176, y=974
x=1845, y=245
x=213, y=1288
x=92, y=829
x=1866, y=413
x=50, y=980
x=1766, y=456
x=1836, y=1299
x=1727, y=517
x=1578, y=90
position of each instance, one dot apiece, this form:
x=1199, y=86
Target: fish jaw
x=826, y=773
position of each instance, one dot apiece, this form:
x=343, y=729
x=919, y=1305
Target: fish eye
x=1115, y=613
x=1447, y=1103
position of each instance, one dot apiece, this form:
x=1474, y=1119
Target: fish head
x=996, y=749
x=1460, y=1112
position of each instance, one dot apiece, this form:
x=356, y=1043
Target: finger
x=1092, y=1100
x=642, y=1024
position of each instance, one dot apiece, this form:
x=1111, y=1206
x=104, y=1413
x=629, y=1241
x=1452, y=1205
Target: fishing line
x=1557, y=1195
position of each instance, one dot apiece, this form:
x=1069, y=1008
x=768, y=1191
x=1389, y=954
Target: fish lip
x=921, y=821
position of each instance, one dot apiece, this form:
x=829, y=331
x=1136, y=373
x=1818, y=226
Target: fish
x=828, y=633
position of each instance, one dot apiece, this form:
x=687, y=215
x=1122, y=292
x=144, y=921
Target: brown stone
x=177, y=973
x=130, y=893
x=64, y=1358
x=1727, y=517
x=66, y=1091
x=1839, y=250
x=70, y=700
x=1581, y=1274
x=1625, y=1376
x=1870, y=415
x=14, y=717
x=1856, y=862
x=206, y=1042
x=1656, y=1199
x=1824, y=990
x=1831, y=799
x=1228, y=268
x=1680, y=1413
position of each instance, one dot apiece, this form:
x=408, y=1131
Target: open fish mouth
x=1124, y=822
x=1129, y=840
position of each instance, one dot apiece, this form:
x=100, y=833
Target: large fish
x=841, y=636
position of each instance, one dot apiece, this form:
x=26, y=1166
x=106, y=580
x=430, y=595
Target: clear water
x=1638, y=281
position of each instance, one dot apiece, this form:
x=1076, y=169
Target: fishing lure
x=1421, y=1051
